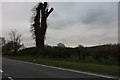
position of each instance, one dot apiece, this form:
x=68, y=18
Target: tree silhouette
x=15, y=39
x=39, y=26
x=2, y=41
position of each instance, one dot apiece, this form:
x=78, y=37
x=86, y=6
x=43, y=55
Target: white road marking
x=10, y=78
x=6, y=75
x=94, y=74
x=1, y=71
x=77, y=71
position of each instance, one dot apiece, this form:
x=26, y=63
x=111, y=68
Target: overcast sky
x=71, y=23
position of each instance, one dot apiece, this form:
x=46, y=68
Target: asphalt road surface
x=15, y=70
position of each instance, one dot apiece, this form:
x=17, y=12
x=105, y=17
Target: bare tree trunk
x=40, y=25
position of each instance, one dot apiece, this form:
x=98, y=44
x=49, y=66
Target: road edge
x=76, y=71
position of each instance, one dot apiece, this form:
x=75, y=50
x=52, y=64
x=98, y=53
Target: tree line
x=107, y=52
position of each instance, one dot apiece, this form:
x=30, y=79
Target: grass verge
x=88, y=67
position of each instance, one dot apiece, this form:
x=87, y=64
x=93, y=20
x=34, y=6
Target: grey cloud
x=64, y=15
x=119, y=21
x=69, y=23
x=84, y=13
x=63, y=24
x=92, y=15
x=97, y=16
x=17, y=11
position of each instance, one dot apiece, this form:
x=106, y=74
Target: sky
x=71, y=23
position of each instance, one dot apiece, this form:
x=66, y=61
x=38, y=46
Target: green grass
x=82, y=66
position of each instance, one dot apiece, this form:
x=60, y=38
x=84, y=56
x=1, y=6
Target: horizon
x=86, y=23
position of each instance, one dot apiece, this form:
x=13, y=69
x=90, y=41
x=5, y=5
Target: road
x=0, y=65
x=17, y=69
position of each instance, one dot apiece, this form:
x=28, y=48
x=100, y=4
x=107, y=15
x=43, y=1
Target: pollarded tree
x=39, y=25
